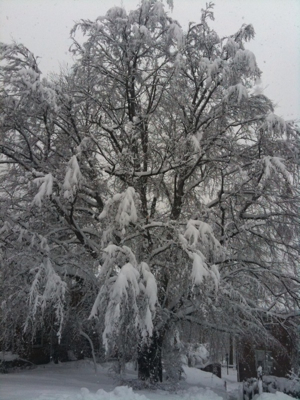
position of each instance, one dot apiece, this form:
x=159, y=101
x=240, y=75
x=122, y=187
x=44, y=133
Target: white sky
x=44, y=25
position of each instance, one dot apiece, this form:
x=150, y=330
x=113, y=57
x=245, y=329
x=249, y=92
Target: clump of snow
x=83, y=145
x=200, y=232
x=116, y=12
x=48, y=288
x=149, y=285
x=73, y=178
x=215, y=274
x=129, y=285
x=274, y=124
x=274, y=165
x=213, y=68
x=257, y=88
x=5, y=228
x=133, y=288
x=239, y=91
x=199, y=269
x=191, y=234
x=43, y=244
x=143, y=30
x=124, y=290
x=45, y=189
x=29, y=79
x=179, y=62
x=231, y=47
x=176, y=33
x=247, y=59
x=158, y=10
x=127, y=212
x=128, y=275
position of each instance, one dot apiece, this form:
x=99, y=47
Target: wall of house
x=275, y=358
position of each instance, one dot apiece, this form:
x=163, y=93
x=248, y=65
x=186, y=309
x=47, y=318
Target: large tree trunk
x=149, y=359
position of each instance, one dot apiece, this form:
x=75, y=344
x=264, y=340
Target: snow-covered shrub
x=12, y=362
x=197, y=355
x=289, y=385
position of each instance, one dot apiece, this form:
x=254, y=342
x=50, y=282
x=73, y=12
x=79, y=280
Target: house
x=276, y=358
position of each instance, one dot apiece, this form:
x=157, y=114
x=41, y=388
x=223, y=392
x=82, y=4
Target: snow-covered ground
x=273, y=396
x=78, y=381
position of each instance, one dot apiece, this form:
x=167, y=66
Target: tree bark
x=149, y=359
x=231, y=350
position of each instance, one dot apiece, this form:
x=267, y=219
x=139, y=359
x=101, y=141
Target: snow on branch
x=131, y=293
x=45, y=190
x=158, y=10
x=23, y=75
x=199, y=270
x=126, y=212
x=245, y=59
x=113, y=255
x=215, y=274
x=213, y=68
x=73, y=178
x=149, y=285
x=239, y=91
x=274, y=124
x=127, y=276
x=202, y=233
x=119, y=254
x=116, y=13
x=275, y=165
x=5, y=228
x=47, y=289
x=176, y=33
x=83, y=146
x=231, y=47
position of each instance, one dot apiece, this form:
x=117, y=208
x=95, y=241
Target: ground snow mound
x=119, y=393
x=273, y=396
x=126, y=393
x=196, y=393
x=195, y=376
x=76, y=380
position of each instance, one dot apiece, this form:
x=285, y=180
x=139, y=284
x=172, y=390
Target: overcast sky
x=44, y=26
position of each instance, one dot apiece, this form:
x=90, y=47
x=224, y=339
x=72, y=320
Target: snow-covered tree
x=154, y=178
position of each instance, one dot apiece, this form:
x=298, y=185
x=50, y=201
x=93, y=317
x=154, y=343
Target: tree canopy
x=149, y=186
